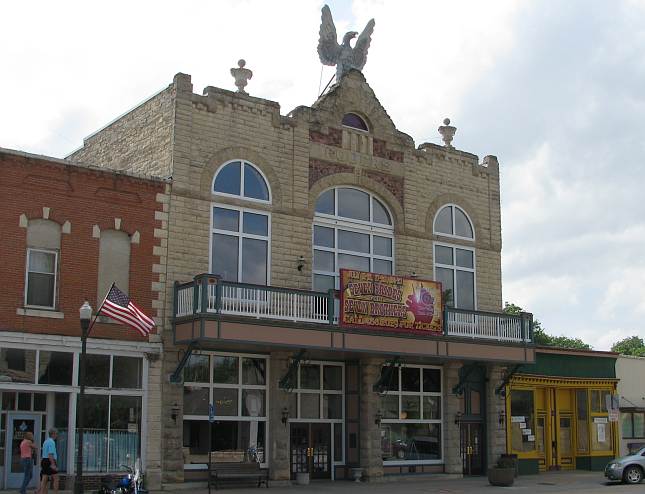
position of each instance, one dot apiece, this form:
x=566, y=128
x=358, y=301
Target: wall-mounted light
x=458, y=417
x=378, y=417
x=174, y=412
x=301, y=263
x=414, y=275
x=285, y=415
x=502, y=418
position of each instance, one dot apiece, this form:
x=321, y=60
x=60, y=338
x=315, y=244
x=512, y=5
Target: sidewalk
x=551, y=483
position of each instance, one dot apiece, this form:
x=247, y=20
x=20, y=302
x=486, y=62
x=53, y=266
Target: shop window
x=43, y=247
x=127, y=372
x=236, y=387
x=522, y=420
x=601, y=429
x=97, y=371
x=633, y=425
x=240, y=244
x=17, y=365
x=599, y=401
x=55, y=368
x=114, y=262
x=353, y=230
x=241, y=179
x=319, y=393
x=412, y=419
x=582, y=425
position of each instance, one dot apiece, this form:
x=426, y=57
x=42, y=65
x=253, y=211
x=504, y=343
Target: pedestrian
x=27, y=449
x=48, y=464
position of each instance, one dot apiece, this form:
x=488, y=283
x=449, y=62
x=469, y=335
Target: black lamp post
x=86, y=316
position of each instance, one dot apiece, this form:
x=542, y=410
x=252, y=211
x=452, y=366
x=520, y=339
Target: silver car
x=627, y=468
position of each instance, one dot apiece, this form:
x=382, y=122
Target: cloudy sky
x=555, y=89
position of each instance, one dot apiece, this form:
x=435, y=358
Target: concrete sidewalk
x=551, y=483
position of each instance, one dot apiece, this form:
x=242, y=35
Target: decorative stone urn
x=357, y=474
x=302, y=478
x=501, y=476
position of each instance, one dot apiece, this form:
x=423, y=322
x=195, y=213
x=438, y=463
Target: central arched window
x=240, y=178
x=240, y=236
x=454, y=264
x=353, y=230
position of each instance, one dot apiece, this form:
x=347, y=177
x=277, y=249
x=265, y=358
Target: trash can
x=510, y=459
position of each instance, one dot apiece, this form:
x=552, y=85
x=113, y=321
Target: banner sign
x=382, y=301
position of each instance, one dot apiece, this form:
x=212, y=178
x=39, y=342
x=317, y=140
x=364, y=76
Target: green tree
x=541, y=337
x=634, y=345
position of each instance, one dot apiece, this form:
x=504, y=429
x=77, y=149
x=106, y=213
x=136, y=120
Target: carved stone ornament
x=447, y=132
x=343, y=56
x=241, y=76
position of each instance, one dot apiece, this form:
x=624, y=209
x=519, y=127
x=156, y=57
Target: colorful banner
x=382, y=301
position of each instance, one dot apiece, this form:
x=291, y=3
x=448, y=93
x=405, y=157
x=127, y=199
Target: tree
x=541, y=337
x=634, y=345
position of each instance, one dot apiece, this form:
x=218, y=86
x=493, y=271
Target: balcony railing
x=208, y=294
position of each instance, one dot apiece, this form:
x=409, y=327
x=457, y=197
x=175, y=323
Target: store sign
x=381, y=301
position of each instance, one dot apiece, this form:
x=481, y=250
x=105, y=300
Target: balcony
x=209, y=297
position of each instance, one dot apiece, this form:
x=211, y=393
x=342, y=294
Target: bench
x=233, y=471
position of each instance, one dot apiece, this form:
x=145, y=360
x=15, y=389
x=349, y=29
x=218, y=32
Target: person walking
x=27, y=449
x=48, y=464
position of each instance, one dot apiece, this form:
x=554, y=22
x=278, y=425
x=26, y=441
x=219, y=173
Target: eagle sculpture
x=343, y=56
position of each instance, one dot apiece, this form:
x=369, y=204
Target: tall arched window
x=352, y=229
x=43, y=249
x=240, y=236
x=454, y=265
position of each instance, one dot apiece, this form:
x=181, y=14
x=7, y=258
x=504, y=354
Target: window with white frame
x=236, y=386
x=353, y=230
x=240, y=244
x=242, y=179
x=412, y=418
x=320, y=397
x=454, y=265
x=40, y=290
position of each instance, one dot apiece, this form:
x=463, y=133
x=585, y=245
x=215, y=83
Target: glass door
x=471, y=448
x=17, y=425
x=311, y=449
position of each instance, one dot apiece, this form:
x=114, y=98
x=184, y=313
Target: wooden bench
x=233, y=471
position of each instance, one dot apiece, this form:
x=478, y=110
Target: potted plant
x=502, y=474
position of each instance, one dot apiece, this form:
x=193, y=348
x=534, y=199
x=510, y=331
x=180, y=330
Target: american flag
x=120, y=307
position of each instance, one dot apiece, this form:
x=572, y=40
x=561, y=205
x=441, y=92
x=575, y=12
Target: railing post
x=218, y=296
x=175, y=298
x=445, y=320
x=331, y=305
x=196, y=294
x=527, y=326
x=204, y=294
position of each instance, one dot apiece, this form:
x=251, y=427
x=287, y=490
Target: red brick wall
x=84, y=197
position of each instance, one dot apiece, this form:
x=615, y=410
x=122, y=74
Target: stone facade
x=189, y=136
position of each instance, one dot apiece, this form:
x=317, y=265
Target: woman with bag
x=27, y=449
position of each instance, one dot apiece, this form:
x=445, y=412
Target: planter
x=357, y=474
x=302, y=478
x=501, y=477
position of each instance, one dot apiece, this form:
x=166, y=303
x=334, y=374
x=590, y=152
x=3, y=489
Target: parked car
x=629, y=469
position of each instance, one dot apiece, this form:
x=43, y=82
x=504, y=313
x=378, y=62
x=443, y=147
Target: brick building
x=68, y=232
x=264, y=210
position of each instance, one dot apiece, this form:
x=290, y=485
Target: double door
x=471, y=446
x=311, y=449
x=555, y=429
x=18, y=424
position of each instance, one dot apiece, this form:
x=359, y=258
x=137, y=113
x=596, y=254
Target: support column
x=171, y=416
x=495, y=409
x=279, y=451
x=371, y=459
x=452, y=406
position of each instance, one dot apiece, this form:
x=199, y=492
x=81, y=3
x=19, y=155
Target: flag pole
x=98, y=311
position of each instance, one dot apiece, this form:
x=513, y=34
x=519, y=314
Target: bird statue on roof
x=343, y=56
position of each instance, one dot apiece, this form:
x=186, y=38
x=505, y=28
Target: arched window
x=354, y=121
x=114, y=262
x=352, y=229
x=241, y=179
x=43, y=249
x=454, y=265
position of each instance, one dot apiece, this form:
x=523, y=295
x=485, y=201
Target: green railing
x=208, y=294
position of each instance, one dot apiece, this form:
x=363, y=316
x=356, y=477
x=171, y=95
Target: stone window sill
x=49, y=314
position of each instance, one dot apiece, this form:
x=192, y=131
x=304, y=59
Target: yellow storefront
x=557, y=411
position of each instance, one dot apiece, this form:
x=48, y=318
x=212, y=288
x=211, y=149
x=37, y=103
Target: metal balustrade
x=284, y=304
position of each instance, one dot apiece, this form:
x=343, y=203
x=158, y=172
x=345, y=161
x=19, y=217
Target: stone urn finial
x=241, y=76
x=447, y=132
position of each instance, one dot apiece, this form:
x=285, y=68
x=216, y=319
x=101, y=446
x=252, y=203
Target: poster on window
x=382, y=301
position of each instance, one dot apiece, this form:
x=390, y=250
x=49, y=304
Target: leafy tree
x=541, y=337
x=634, y=345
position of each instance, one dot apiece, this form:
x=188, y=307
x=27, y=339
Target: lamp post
x=85, y=313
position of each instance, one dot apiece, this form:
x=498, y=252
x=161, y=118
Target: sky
x=554, y=89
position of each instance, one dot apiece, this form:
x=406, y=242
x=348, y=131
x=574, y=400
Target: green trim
x=562, y=365
x=528, y=466
x=592, y=463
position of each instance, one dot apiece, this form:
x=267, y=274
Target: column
x=172, y=429
x=279, y=449
x=371, y=459
x=452, y=406
x=495, y=410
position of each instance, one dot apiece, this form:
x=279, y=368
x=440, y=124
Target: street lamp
x=85, y=313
